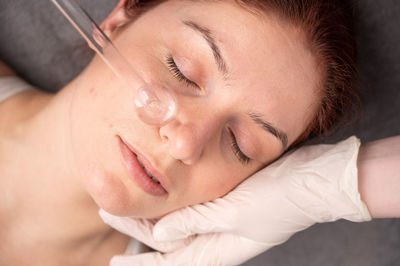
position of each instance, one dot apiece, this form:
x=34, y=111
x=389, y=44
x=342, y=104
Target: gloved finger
x=142, y=230
x=216, y=216
x=210, y=249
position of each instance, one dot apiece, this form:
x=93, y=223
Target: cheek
x=100, y=171
x=109, y=192
x=215, y=182
x=96, y=150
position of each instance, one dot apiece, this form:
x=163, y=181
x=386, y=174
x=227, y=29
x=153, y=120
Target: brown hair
x=328, y=25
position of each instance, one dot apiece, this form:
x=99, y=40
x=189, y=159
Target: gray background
x=37, y=42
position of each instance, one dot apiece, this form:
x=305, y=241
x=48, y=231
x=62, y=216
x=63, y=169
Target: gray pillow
x=38, y=42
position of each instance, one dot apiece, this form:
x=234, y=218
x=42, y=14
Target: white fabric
x=12, y=85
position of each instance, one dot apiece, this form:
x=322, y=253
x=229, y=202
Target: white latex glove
x=313, y=184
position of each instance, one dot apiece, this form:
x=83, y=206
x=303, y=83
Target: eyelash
x=173, y=68
x=236, y=149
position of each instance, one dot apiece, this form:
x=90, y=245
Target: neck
x=38, y=176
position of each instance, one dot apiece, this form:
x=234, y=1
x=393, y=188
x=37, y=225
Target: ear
x=118, y=17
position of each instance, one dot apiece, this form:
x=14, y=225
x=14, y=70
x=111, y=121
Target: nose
x=187, y=138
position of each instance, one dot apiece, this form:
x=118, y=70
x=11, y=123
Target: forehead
x=267, y=58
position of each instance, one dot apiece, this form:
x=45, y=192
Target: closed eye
x=173, y=68
x=237, y=151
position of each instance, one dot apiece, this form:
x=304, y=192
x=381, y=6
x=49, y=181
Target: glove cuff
x=327, y=188
x=349, y=185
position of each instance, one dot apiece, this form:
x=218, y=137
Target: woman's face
x=261, y=85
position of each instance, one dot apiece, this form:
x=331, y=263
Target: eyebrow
x=267, y=126
x=207, y=35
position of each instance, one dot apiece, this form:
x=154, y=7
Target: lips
x=142, y=171
x=145, y=170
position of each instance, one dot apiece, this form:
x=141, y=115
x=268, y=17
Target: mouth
x=145, y=170
x=142, y=171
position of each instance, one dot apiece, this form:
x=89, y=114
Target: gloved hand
x=313, y=184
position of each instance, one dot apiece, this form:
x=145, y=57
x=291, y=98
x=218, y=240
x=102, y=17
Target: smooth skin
x=59, y=154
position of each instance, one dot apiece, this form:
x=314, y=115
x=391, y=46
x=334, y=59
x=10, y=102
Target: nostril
x=164, y=138
x=188, y=161
x=182, y=141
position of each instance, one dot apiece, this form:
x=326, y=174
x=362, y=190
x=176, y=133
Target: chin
x=115, y=207
x=110, y=194
x=113, y=204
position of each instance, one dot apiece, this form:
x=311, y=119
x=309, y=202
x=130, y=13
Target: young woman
x=253, y=78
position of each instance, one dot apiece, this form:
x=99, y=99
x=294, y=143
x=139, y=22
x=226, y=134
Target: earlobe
x=118, y=17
